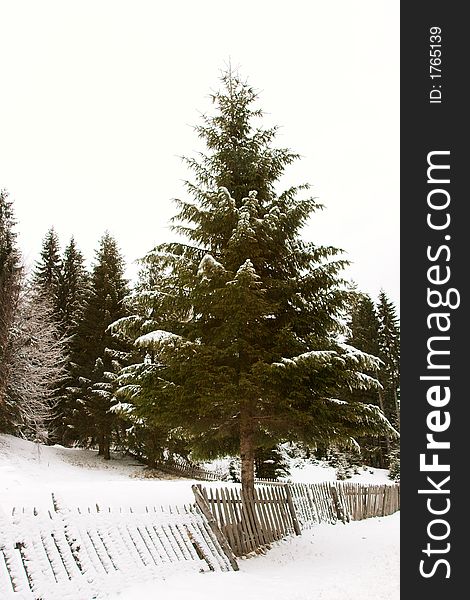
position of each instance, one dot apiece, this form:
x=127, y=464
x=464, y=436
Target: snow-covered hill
x=30, y=472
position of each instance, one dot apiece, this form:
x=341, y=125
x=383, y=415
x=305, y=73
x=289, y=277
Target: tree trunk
x=106, y=448
x=382, y=408
x=247, y=453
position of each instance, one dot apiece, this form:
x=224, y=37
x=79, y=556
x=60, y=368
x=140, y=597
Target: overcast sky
x=99, y=96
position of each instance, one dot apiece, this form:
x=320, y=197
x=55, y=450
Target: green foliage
x=271, y=463
x=374, y=329
x=72, y=289
x=69, y=300
x=242, y=323
x=394, y=469
x=47, y=269
x=389, y=353
x=346, y=463
x=99, y=354
x=32, y=355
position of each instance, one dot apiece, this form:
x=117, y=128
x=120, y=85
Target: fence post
x=206, y=511
x=384, y=500
x=293, y=514
x=336, y=502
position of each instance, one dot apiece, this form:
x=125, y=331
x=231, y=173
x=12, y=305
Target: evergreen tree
x=364, y=324
x=70, y=300
x=363, y=334
x=243, y=320
x=270, y=463
x=389, y=353
x=47, y=269
x=97, y=348
x=71, y=288
x=374, y=329
x=10, y=283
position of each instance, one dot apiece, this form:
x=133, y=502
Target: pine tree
x=364, y=324
x=363, y=334
x=97, y=347
x=71, y=293
x=243, y=320
x=71, y=288
x=374, y=329
x=270, y=463
x=47, y=269
x=10, y=284
x=389, y=353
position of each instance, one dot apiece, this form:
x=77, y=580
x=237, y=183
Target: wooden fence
x=65, y=554
x=75, y=554
x=177, y=465
x=362, y=502
x=251, y=523
x=317, y=503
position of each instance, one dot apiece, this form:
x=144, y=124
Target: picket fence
x=64, y=554
x=363, y=502
x=252, y=522
x=75, y=554
x=177, y=465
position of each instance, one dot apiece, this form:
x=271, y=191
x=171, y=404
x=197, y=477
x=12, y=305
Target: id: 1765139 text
x=435, y=62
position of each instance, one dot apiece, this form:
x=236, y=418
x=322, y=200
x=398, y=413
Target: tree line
x=237, y=339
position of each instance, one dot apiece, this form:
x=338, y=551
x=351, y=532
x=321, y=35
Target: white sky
x=98, y=98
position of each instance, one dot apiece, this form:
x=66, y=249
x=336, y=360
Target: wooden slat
x=264, y=518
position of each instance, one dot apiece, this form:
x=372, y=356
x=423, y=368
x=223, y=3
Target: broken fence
x=252, y=522
x=65, y=554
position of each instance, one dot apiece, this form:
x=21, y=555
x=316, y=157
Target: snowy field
x=329, y=562
x=29, y=473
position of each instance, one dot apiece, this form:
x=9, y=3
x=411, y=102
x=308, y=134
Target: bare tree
x=32, y=352
x=37, y=366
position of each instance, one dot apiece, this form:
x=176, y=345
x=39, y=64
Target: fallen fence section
x=252, y=522
x=177, y=465
x=72, y=555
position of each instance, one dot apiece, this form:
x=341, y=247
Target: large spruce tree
x=242, y=321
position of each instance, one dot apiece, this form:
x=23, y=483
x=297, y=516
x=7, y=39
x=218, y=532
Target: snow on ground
x=30, y=472
x=330, y=562
x=307, y=472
